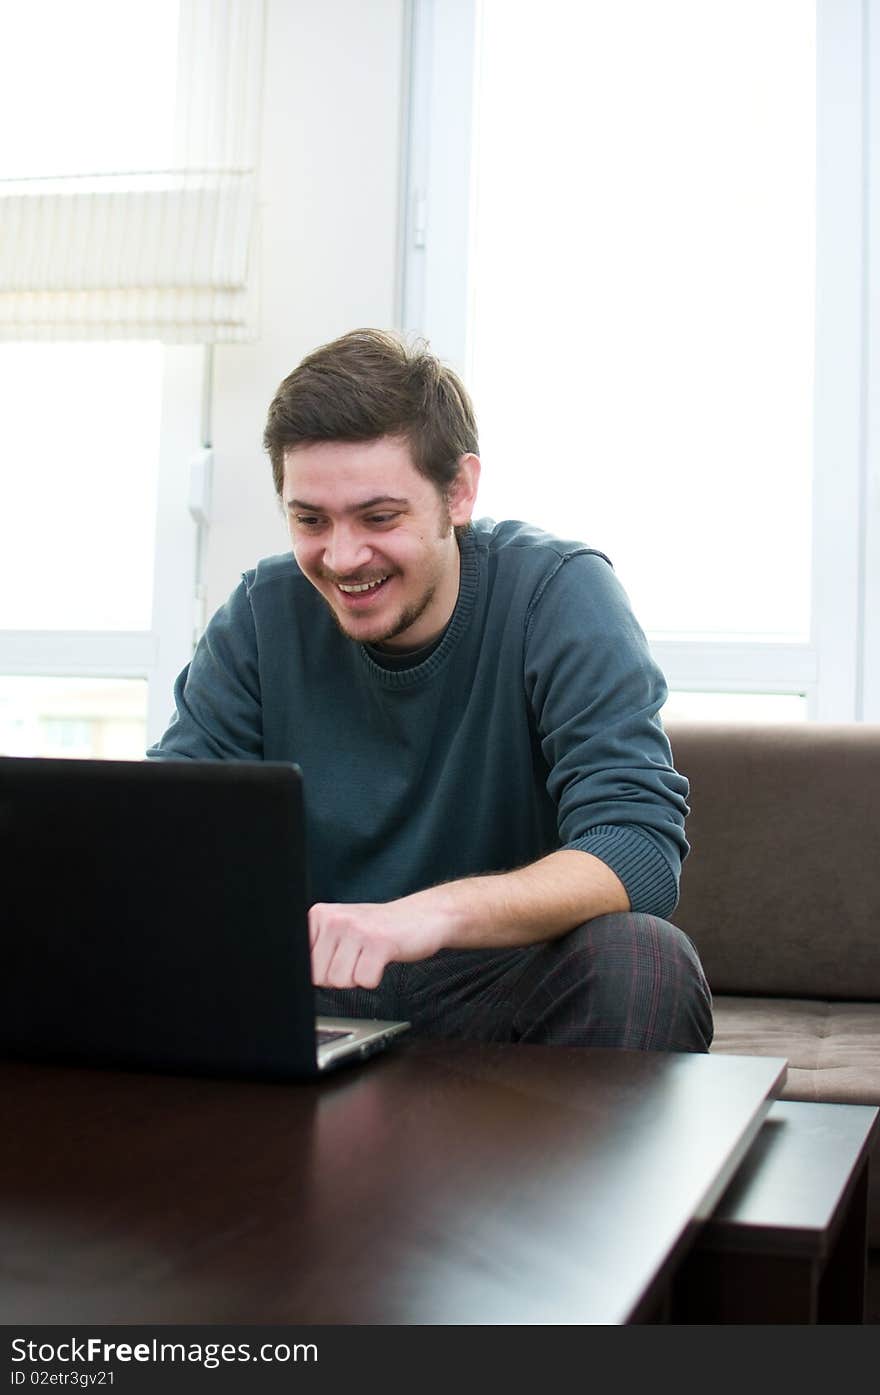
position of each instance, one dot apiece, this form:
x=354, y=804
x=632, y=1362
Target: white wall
x=329, y=218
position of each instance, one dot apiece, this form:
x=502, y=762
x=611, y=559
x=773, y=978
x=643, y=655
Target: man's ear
x=462, y=494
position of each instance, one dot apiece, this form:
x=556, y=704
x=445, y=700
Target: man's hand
x=352, y=944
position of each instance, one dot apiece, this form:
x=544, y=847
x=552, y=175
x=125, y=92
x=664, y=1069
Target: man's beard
x=408, y=616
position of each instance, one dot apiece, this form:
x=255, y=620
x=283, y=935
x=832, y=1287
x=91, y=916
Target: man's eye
x=307, y=520
x=380, y=518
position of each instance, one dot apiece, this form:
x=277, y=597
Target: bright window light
x=86, y=87
x=73, y=718
x=79, y=452
x=642, y=336
x=735, y=707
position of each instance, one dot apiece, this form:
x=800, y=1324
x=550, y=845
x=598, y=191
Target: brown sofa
x=781, y=895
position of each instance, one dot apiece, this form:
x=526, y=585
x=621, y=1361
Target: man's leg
x=622, y=980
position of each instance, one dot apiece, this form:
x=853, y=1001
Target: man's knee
x=631, y=980
x=643, y=934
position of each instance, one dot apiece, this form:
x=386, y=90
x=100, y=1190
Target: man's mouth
x=360, y=587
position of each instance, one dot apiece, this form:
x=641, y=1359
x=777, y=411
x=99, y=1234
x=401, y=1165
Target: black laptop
x=153, y=916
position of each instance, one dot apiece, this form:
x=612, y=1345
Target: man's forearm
x=352, y=944
x=538, y=902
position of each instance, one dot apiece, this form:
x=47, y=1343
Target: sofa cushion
x=832, y=1048
x=781, y=890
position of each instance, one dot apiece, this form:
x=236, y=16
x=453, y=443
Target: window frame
x=838, y=669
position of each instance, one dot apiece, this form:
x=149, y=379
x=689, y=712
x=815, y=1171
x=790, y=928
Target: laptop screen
x=155, y=915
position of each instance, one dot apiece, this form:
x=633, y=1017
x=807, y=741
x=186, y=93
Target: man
x=495, y=827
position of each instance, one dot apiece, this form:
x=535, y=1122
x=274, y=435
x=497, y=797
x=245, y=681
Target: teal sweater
x=532, y=726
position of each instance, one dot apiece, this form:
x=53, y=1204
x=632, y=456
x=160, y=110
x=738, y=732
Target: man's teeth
x=366, y=586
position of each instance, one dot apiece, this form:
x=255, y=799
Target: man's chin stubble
x=403, y=622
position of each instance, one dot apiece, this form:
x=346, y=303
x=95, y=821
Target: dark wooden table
x=442, y=1183
x=787, y=1243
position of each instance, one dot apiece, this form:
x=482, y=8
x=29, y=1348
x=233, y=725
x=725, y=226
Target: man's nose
x=346, y=551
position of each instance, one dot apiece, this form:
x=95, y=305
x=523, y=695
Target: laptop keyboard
x=325, y=1034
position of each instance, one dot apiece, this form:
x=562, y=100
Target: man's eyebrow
x=354, y=508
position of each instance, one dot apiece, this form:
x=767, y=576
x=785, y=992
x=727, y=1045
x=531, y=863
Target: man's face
x=376, y=538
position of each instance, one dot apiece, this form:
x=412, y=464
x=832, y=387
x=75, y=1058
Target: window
x=79, y=519
x=641, y=236
x=126, y=254
x=673, y=156
x=101, y=58
x=734, y=707
x=98, y=718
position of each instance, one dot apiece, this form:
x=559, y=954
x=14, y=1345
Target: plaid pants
x=625, y=980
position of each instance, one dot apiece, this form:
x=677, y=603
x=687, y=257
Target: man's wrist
x=443, y=911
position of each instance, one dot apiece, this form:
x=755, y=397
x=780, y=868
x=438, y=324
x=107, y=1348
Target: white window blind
x=165, y=252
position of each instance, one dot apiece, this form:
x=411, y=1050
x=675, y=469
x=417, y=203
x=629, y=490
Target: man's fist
x=352, y=944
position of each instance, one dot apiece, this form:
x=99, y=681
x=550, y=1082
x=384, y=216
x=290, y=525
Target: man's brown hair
x=371, y=383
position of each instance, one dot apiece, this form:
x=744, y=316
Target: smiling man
x=495, y=825
x=387, y=563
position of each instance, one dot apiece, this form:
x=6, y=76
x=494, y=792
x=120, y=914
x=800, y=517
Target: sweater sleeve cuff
x=651, y=884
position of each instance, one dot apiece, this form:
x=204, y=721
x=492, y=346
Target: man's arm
x=352, y=944
x=594, y=690
x=218, y=713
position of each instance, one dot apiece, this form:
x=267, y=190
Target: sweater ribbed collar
x=458, y=623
